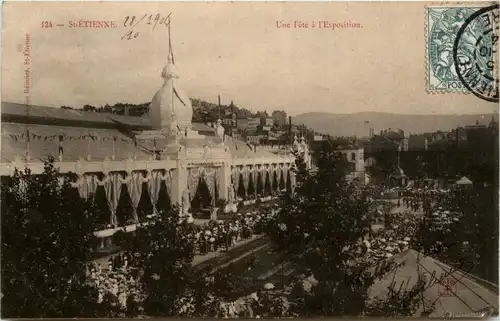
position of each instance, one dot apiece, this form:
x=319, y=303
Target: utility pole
x=218, y=108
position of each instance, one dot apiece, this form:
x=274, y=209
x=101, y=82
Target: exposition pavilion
x=160, y=155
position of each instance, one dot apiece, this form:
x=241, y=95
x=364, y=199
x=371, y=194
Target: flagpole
x=170, y=58
x=170, y=51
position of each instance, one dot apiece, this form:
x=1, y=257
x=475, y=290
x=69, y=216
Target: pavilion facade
x=163, y=151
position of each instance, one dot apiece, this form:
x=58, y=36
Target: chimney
x=218, y=108
x=126, y=111
x=290, y=130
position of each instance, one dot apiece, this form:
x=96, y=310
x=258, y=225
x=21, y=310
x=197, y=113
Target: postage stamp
x=443, y=24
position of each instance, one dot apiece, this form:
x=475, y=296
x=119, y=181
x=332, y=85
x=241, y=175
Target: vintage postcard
x=249, y=160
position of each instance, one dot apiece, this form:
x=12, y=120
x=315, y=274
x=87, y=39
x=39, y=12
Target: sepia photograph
x=249, y=159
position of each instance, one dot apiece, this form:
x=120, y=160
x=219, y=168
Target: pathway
x=235, y=252
x=402, y=207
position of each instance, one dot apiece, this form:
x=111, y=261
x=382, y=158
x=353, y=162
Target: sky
x=232, y=49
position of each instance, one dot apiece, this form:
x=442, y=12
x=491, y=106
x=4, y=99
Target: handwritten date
x=133, y=22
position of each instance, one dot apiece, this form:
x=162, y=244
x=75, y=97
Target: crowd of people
x=400, y=228
x=418, y=199
x=118, y=281
x=222, y=235
x=397, y=236
x=118, y=284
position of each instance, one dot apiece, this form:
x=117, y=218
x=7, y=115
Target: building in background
x=242, y=124
x=279, y=117
x=417, y=142
x=266, y=129
x=482, y=141
x=356, y=156
x=461, y=137
x=253, y=124
x=255, y=139
x=318, y=138
x=266, y=121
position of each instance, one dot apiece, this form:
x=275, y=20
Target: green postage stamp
x=443, y=24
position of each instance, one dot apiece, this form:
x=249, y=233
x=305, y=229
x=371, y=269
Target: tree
x=470, y=241
x=321, y=228
x=164, y=251
x=89, y=108
x=47, y=241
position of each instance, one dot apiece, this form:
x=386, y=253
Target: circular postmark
x=475, y=53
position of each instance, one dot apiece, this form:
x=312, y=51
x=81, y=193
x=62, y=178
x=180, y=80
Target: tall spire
x=170, y=108
x=170, y=57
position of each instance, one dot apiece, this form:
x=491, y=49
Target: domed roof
x=170, y=108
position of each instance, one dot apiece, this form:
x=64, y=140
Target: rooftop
x=100, y=135
x=469, y=294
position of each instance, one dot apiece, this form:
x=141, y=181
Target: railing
x=128, y=228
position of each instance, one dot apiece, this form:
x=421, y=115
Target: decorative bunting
x=61, y=137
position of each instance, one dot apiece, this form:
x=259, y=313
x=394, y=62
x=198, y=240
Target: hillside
x=355, y=124
x=203, y=111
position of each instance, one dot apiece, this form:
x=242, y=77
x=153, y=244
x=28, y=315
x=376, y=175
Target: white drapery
x=236, y=179
x=292, y=180
x=134, y=187
x=255, y=175
x=265, y=177
x=154, y=184
x=194, y=175
x=218, y=179
x=234, y=176
x=278, y=175
x=285, y=174
x=274, y=183
x=86, y=185
x=209, y=178
x=241, y=171
x=246, y=178
x=271, y=177
x=167, y=177
x=113, y=187
x=263, y=171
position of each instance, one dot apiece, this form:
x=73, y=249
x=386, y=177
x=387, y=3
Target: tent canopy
x=464, y=181
x=467, y=294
